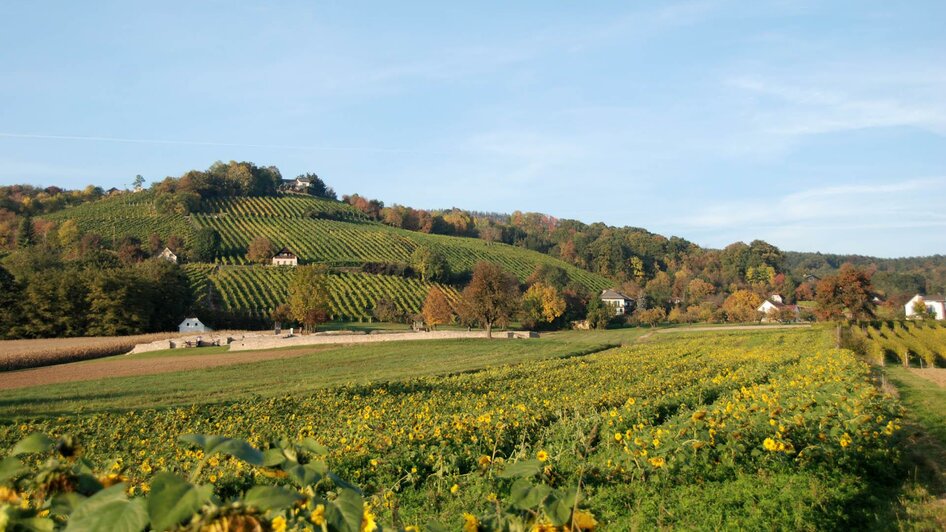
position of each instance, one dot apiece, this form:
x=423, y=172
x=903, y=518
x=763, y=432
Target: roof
x=779, y=306
x=934, y=299
x=190, y=319
x=284, y=253
x=613, y=294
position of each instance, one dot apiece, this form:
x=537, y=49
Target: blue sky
x=817, y=126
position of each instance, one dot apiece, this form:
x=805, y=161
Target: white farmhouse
x=934, y=304
x=168, y=255
x=621, y=303
x=773, y=305
x=193, y=325
x=285, y=258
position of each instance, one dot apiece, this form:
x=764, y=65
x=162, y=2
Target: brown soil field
x=20, y=354
x=937, y=375
x=133, y=367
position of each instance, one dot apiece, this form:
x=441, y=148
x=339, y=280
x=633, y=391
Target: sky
x=816, y=126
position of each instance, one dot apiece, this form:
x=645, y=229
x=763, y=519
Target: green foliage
x=206, y=245
x=309, y=296
x=430, y=264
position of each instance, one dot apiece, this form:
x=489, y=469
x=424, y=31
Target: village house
x=299, y=184
x=935, y=305
x=193, y=325
x=621, y=303
x=773, y=306
x=168, y=255
x=285, y=258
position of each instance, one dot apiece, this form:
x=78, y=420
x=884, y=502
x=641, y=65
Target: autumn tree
x=280, y=315
x=261, y=250
x=651, y=316
x=68, y=235
x=309, y=296
x=742, y=305
x=698, y=290
x=846, y=295
x=491, y=297
x=541, y=304
x=385, y=310
x=436, y=309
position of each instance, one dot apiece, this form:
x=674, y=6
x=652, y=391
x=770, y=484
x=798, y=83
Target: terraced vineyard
x=923, y=343
x=126, y=215
x=255, y=290
x=318, y=231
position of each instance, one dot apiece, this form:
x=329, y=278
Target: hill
x=319, y=231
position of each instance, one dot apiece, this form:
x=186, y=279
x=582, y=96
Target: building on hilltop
x=935, y=305
x=193, y=325
x=299, y=184
x=168, y=255
x=285, y=258
x=621, y=303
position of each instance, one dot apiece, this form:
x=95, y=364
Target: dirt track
x=117, y=367
x=937, y=375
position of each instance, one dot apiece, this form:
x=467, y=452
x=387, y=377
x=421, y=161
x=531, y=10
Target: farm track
x=86, y=371
x=935, y=375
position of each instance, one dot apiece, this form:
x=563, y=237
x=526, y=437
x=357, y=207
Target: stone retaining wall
x=275, y=342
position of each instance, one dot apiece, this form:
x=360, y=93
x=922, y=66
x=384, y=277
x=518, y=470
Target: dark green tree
x=205, y=245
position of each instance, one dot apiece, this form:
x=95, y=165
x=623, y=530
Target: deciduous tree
x=309, y=296
x=491, y=297
x=541, y=304
x=261, y=250
x=436, y=309
x=742, y=306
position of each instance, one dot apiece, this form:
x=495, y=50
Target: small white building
x=168, y=255
x=193, y=325
x=622, y=304
x=285, y=258
x=934, y=304
x=775, y=304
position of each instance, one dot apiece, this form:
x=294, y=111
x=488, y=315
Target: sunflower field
x=751, y=430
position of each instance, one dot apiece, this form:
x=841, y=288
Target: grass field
x=324, y=368
x=761, y=429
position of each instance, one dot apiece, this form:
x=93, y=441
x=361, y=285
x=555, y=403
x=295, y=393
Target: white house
x=285, y=258
x=621, y=303
x=934, y=304
x=299, y=184
x=168, y=255
x=193, y=325
x=775, y=304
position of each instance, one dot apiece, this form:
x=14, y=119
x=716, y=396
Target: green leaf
x=173, y=500
x=228, y=446
x=304, y=475
x=31, y=524
x=342, y=483
x=265, y=498
x=558, y=507
x=65, y=503
x=10, y=467
x=34, y=443
x=273, y=457
x=525, y=468
x=346, y=511
x=110, y=510
x=312, y=446
x=525, y=496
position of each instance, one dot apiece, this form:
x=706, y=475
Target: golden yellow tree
x=436, y=309
x=541, y=303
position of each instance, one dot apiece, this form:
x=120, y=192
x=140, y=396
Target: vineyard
x=254, y=291
x=781, y=429
x=125, y=215
x=921, y=343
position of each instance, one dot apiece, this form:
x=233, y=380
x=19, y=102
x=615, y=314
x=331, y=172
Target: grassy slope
x=923, y=506
x=341, y=365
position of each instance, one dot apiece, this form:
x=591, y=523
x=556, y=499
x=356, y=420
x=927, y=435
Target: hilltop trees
x=308, y=296
x=492, y=297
